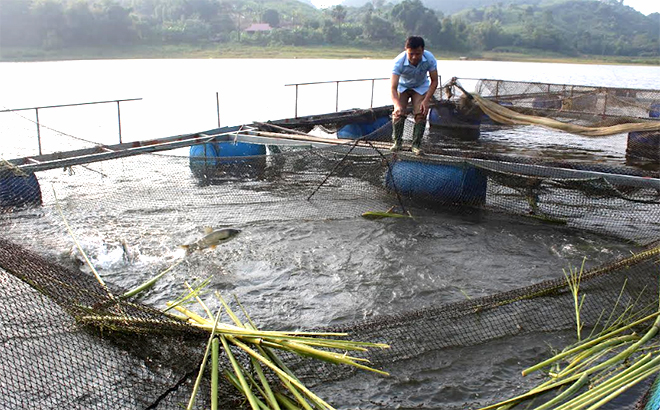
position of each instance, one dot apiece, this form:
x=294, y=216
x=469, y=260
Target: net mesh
x=70, y=341
x=596, y=106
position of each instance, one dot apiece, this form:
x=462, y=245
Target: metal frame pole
x=337, y=98
x=440, y=85
x=217, y=104
x=373, y=81
x=119, y=121
x=36, y=110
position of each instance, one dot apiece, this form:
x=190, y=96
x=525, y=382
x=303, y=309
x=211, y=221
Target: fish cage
x=77, y=337
x=597, y=107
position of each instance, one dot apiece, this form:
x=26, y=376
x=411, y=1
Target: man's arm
x=394, y=85
x=429, y=94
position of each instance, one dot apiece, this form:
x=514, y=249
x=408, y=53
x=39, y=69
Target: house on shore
x=258, y=28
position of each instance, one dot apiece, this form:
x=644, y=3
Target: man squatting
x=410, y=81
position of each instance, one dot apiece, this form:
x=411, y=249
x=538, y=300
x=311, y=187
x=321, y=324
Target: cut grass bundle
x=601, y=367
x=573, y=278
x=260, y=346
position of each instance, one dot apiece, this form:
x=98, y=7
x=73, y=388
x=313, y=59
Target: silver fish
x=212, y=239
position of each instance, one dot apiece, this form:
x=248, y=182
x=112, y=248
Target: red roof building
x=258, y=27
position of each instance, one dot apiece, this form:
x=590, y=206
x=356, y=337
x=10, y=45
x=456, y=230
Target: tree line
x=570, y=27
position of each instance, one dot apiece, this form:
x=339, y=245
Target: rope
x=507, y=116
x=332, y=171
x=389, y=172
x=8, y=166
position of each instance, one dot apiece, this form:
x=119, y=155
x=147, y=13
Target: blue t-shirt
x=411, y=77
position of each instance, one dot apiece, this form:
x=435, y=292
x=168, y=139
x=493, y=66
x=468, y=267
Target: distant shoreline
x=238, y=51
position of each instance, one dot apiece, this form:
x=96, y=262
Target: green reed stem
x=191, y=402
x=214, y=373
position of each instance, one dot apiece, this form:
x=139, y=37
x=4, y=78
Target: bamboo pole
x=321, y=140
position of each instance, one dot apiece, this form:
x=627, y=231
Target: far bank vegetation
x=564, y=28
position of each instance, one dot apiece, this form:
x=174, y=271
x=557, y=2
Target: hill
x=574, y=28
x=569, y=27
x=447, y=7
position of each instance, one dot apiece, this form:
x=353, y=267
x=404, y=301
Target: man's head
x=414, y=49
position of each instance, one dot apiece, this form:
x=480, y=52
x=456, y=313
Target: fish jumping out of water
x=212, y=239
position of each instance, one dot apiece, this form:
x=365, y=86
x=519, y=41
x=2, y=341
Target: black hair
x=414, y=42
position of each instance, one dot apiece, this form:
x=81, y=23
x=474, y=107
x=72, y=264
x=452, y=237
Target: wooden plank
x=316, y=140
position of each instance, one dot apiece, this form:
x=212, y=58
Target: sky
x=644, y=6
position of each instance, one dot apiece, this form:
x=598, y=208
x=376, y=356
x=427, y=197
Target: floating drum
x=240, y=149
x=203, y=159
x=237, y=159
x=438, y=183
x=368, y=128
x=361, y=129
x=645, y=145
x=654, y=110
x=18, y=189
x=349, y=132
x=206, y=154
x=448, y=122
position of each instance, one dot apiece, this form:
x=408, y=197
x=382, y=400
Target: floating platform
x=441, y=175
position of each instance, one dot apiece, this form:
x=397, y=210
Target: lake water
x=288, y=273
x=179, y=96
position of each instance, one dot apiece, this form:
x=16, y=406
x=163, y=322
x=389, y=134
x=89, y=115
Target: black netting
x=70, y=342
x=588, y=104
x=150, y=361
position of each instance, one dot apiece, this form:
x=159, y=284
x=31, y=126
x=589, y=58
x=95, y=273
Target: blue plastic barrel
x=434, y=117
x=654, y=111
x=350, y=132
x=645, y=145
x=227, y=159
x=204, y=154
x=438, y=183
x=18, y=190
x=360, y=129
x=368, y=128
x=213, y=150
x=240, y=149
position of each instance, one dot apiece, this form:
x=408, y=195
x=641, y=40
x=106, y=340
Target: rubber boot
x=418, y=134
x=397, y=133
